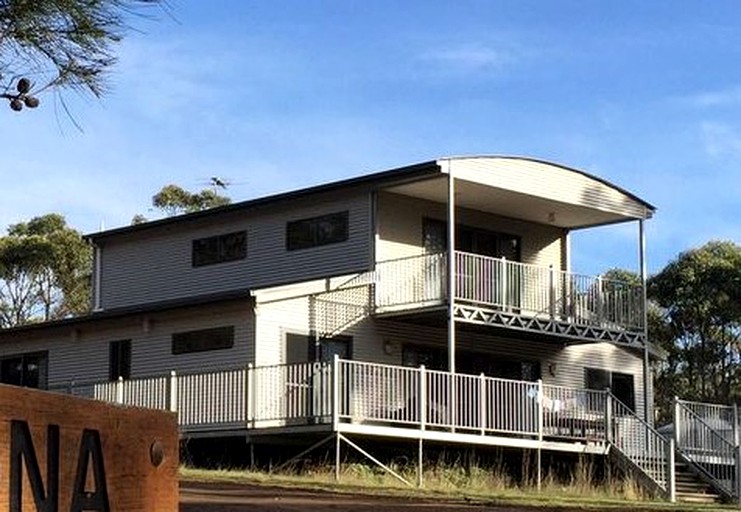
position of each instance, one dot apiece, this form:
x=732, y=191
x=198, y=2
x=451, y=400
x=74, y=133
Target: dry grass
x=454, y=481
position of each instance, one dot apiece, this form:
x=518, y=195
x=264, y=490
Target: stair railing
x=707, y=449
x=644, y=448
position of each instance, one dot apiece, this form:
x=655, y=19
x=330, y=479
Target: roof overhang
x=530, y=190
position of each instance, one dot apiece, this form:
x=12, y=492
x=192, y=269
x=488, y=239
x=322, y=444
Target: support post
x=647, y=401
x=551, y=291
x=737, y=473
x=452, y=278
x=250, y=395
x=420, y=463
x=120, y=390
x=173, y=398
x=422, y=398
x=677, y=421
x=540, y=401
x=482, y=403
x=608, y=417
x=671, y=477
x=337, y=447
x=335, y=392
x=452, y=271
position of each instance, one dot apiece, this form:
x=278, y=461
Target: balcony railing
x=524, y=289
x=368, y=395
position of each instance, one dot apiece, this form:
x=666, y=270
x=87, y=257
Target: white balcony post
x=482, y=403
x=452, y=271
x=677, y=422
x=671, y=486
x=503, y=284
x=647, y=401
x=608, y=416
x=422, y=397
x=551, y=291
x=120, y=390
x=600, y=301
x=737, y=473
x=250, y=395
x=336, y=392
x=173, y=396
x=452, y=278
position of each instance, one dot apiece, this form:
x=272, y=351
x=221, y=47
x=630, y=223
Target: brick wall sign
x=64, y=454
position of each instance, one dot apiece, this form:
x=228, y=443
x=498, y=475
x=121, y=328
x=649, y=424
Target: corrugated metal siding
x=82, y=355
x=154, y=266
x=547, y=181
x=400, y=230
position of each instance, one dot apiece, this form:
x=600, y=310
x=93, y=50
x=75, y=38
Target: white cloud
x=729, y=97
x=720, y=139
x=472, y=57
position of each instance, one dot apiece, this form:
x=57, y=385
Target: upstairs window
x=203, y=340
x=220, y=249
x=317, y=231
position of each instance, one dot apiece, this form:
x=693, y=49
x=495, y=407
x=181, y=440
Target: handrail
x=642, y=445
x=711, y=453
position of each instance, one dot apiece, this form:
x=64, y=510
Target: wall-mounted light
x=551, y=217
x=388, y=347
x=552, y=369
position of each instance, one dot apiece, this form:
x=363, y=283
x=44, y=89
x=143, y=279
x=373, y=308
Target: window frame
x=192, y=342
x=42, y=377
x=119, y=359
x=223, y=249
x=609, y=380
x=307, y=233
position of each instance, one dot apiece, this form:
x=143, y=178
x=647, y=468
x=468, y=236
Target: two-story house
x=433, y=301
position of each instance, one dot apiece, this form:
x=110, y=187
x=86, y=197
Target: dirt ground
x=203, y=497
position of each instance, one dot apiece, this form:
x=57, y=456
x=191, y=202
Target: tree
x=59, y=44
x=44, y=271
x=699, y=294
x=175, y=200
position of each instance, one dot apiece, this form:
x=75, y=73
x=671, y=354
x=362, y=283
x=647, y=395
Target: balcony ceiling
x=529, y=190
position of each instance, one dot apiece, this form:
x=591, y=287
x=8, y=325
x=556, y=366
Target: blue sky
x=275, y=96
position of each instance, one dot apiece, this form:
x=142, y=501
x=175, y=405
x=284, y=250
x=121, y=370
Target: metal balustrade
x=525, y=289
x=641, y=444
x=354, y=392
x=706, y=435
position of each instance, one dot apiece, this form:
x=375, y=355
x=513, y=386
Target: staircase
x=691, y=488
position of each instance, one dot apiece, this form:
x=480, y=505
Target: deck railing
x=642, y=445
x=706, y=434
x=512, y=286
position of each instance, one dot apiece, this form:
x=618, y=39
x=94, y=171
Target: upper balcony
x=520, y=296
x=511, y=220
x=489, y=291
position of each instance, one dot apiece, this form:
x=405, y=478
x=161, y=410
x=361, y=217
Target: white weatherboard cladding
x=400, y=220
x=544, y=180
x=81, y=354
x=572, y=361
x=155, y=265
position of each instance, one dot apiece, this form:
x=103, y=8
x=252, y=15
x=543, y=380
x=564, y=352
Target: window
x=323, y=230
x=29, y=370
x=301, y=348
x=469, y=239
x=203, y=340
x=119, y=359
x=471, y=363
x=220, y=249
x=621, y=384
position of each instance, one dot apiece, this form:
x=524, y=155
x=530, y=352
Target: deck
x=344, y=398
